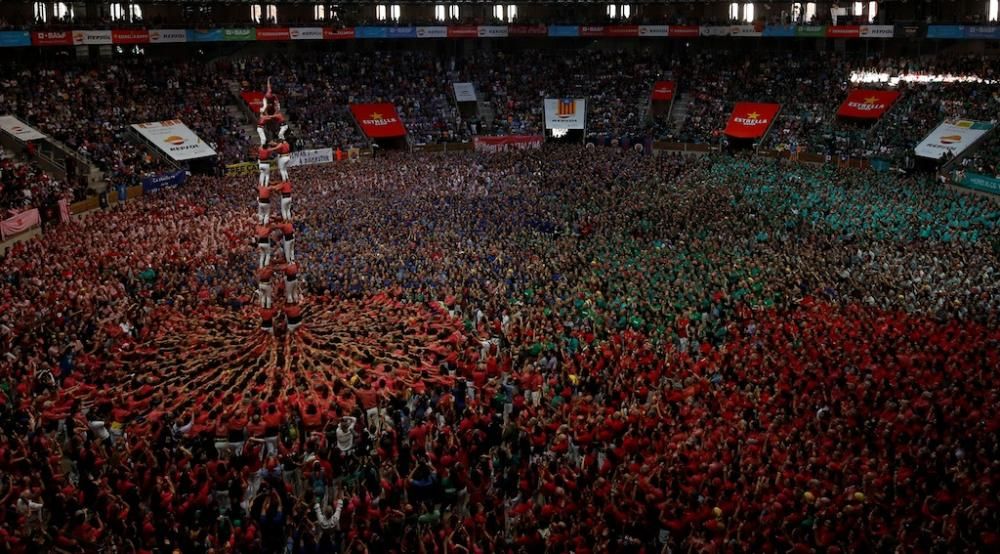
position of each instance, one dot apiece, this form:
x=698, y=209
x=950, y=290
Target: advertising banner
x=164, y=181
x=810, y=31
x=19, y=223
x=564, y=31
x=989, y=33
x=130, y=36
x=945, y=31
x=528, y=30
x=175, y=139
x=504, y=144
x=952, y=136
x=843, y=31
x=663, y=91
x=714, y=30
x=464, y=92
x=464, y=31
x=245, y=34
x=746, y=30
x=52, y=38
x=653, y=31
x=272, y=34
x=982, y=183
x=378, y=120
x=402, y=32
x=310, y=157
x=167, y=36
x=254, y=99
x=878, y=31
x=492, y=31
x=432, y=32
x=242, y=168
x=751, y=119
x=306, y=33
x=81, y=38
x=204, y=35
x=565, y=113
x=779, y=31
x=345, y=33
x=18, y=129
x=14, y=38
x=867, y=104
x=684, y=31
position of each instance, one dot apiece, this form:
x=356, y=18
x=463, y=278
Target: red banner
x=663, y=91
x=347, y=33
x=52, y=38
x=130, y=36
x=843, y=31
x=528, y=31
x=254, y=99
x=609, y=31
x=684, y=31
x=19, y=223
x=511, y=142
x=463, y=32
x=751, y=119
x=867, y=104
x=378, y=120
x=273, y=33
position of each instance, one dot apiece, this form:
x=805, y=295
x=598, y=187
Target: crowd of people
x=25, y=185
x=568, y=349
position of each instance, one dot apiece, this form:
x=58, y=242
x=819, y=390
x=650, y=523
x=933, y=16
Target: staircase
x=486, y=113
x=680, y=111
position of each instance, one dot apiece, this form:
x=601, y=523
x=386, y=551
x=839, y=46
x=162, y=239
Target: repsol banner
x=156, y=183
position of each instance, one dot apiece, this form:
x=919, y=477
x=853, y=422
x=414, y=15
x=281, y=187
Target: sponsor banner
x=130, y=36
x=204, y=35
x=714, y=30
x=565, y=113
x=751, y=119
x=653, y=31
x=952, y=136
x=402, y=32
x=810, y=31
x=843, y=31
x=910, y=31
x=464, y=92
x=990, y=33
x=867, y=104
x=272, y=33
x=564, y=31
x=528, y=30
x=504, y=144
x=610, y=31
x=84, y=38
x=378, y=120
x=175, y=139
x=254, y=99
x=243, y=168
x=779, y=31
x=982, y=183
x=493, y=31
x=878, y=31
x=244, y=34
x=164, y=181
x=684, y=31
x=464, y=31
x=663, y=91
x=14, y=38
x=19, y=223
x=310, y=157
x=346, y=33
x=52, y=38
x=746, y=30
x=432, y=32
x=592, y=31
x=166, y=36
x=371, y=32
x=306, y=33
x=18, y=129
x=945, y=31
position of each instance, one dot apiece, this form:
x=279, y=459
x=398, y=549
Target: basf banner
x=175, y=139
x=378, y=120
x=867, y=104
x=565, y=113
x=464, y=92
x=254, y=99
x=20, y=130
x=751, y=119
x=663, y=91
x=952, y=136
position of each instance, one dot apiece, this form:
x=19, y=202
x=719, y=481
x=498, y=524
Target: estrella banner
x=273, y=34
x=684, y=31
x=663, y=91
x=345, y=33
x=843, y=31
x=14, y=38
x=867, y=104
x=156, y=183
x=463, y=31
x=751, y=120
x=130, y=36
x=565, y=113
x=254, y=99
x=378, y=120
x=528, y=30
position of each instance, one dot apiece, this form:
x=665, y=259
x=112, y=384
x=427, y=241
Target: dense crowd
x=560, y=350
x=25, y=185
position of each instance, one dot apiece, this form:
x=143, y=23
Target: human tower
x=277, y=273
